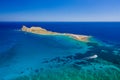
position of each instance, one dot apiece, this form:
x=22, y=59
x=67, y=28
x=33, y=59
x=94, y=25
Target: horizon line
x=59, y=21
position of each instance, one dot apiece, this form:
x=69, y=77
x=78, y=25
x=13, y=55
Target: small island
x=42, y=31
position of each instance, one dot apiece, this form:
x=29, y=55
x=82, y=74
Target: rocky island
x=42, y=31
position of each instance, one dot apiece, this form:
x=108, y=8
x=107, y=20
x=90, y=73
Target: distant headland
x=42, y=31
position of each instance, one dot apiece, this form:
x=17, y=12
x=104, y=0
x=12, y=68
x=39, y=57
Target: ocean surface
x=103, y=30
x=28, y=56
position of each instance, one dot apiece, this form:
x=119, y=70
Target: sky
x=60, y=10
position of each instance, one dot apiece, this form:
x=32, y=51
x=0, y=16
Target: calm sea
x=106, y=31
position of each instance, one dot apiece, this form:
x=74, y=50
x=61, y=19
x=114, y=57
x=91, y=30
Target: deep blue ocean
x=107, y=31
x=28, y=56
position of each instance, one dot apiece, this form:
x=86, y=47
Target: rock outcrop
x=42, y=31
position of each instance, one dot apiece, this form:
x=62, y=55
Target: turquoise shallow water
x=30, y=50
x=25, y=56
x=33, y=54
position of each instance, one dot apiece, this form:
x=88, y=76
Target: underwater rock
x=36, y=70
x=105, y=52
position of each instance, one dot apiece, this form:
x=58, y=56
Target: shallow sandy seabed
x=47, y=55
